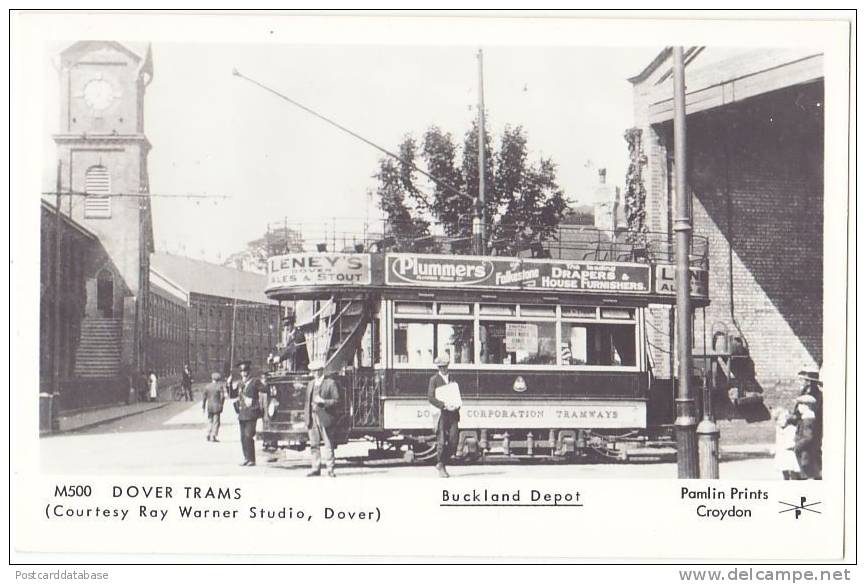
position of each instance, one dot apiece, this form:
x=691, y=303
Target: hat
x=441, y=361
x=215, y=376
x=316, y=364
x=244, y=365
x=809, y=373
x=807, y=399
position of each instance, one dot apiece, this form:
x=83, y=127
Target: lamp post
x=478, y=219
x=686, y=421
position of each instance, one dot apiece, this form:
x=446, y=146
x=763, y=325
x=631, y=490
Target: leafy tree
x=523, y=202
x=254, y=258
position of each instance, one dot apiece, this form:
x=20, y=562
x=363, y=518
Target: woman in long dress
x=153, y=381
x=786, y=458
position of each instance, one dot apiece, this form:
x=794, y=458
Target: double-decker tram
x=549, y=350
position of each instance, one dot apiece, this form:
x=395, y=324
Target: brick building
x=755, y=128
x=226, y=306
x=167, y=345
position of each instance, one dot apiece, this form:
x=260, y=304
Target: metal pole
x=708, y=431
x=58, y=236
x=478, y=227
x=685, y=423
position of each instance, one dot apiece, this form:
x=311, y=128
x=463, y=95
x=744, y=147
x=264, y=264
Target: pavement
x=84, y=419
x=94, y=417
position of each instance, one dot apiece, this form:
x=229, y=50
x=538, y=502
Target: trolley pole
x=686, y=421
x=478, y=219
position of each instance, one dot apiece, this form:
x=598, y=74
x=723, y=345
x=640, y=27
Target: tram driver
x=292, y=355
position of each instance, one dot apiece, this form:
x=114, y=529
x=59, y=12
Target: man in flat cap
x=806, y=440
x=249, y=411
x=320, y=414
x=811, y=385
x=213, y=398
x=449, y=415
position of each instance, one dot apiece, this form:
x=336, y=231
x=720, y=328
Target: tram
x=548, y=345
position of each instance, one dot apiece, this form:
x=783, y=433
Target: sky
x=215, y=134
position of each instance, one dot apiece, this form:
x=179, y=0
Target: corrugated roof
x=207, y=278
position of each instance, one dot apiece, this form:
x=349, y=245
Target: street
x=171, y=441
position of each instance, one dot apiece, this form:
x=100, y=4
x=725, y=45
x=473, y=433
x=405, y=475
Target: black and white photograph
x=354, y=258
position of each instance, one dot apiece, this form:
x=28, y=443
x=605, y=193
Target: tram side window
x=518, y=343
x=417, y=343
x=598, y=344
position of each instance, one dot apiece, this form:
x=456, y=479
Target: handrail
x=566, y=242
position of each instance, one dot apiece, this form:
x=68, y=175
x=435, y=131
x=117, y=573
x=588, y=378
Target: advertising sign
x=666, y=281
x=521, y=336
x=516, y=274
x=318, y=269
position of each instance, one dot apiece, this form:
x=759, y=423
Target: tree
x=274, y=242
x=635, y=191
x=523, y=202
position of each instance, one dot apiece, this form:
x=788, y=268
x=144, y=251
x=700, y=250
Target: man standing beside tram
x=449, y=412
x=320, y=415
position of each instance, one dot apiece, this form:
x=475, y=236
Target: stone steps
x=98, y=353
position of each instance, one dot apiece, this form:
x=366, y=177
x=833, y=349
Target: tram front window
x=598, y=344
x=416, y=344
x=518, y=343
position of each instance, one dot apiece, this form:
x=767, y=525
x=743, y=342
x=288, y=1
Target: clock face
x=98, y=94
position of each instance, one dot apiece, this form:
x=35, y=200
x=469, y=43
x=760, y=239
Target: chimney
x=602, y=176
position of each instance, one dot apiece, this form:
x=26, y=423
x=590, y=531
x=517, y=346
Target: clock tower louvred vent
x=97, y=186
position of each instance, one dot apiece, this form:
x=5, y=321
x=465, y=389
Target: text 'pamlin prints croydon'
x=723, y=511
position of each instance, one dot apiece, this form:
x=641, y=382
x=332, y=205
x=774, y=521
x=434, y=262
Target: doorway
x=105, y=294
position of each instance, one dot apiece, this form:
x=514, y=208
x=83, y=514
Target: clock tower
x=103, y=151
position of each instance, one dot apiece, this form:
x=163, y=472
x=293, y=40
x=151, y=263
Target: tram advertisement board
x=516, y=274
x=318, y=269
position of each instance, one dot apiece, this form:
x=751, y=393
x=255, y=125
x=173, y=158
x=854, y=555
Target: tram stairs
x=98, y=352
x=347, y=328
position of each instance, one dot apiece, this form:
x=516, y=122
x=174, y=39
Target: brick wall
x=756, y=172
